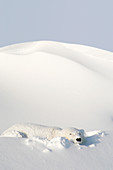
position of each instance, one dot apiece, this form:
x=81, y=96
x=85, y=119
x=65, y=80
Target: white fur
x=31, y=130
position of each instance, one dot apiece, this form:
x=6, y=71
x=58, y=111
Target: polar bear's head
x=74, y=135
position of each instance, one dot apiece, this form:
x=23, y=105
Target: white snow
x=56, y=84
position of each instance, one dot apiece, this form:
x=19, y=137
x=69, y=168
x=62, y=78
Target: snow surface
x=57, y=84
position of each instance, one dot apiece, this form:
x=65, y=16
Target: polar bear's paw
x=20, y=134
x=15, y=133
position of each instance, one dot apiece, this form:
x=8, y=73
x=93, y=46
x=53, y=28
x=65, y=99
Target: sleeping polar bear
x=27, y=130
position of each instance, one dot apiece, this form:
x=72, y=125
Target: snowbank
x=44, y=81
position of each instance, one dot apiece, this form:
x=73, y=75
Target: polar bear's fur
x=28, y=130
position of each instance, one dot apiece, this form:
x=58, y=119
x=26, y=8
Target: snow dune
x=57, y=84
x=44, y=81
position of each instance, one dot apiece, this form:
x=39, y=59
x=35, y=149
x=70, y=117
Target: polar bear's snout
x=78, y=139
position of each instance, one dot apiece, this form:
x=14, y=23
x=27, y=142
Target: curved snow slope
x=56, y=84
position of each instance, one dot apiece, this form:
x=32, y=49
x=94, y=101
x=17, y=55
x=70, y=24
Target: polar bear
x=28, y=130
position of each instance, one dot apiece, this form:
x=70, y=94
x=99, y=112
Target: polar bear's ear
x=63, y=131
x=82, y=131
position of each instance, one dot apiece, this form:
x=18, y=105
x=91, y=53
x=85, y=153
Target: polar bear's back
x=29, y=130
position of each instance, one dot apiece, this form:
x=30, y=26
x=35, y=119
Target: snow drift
x=50, y=80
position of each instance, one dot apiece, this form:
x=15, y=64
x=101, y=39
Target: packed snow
x=56, y=85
